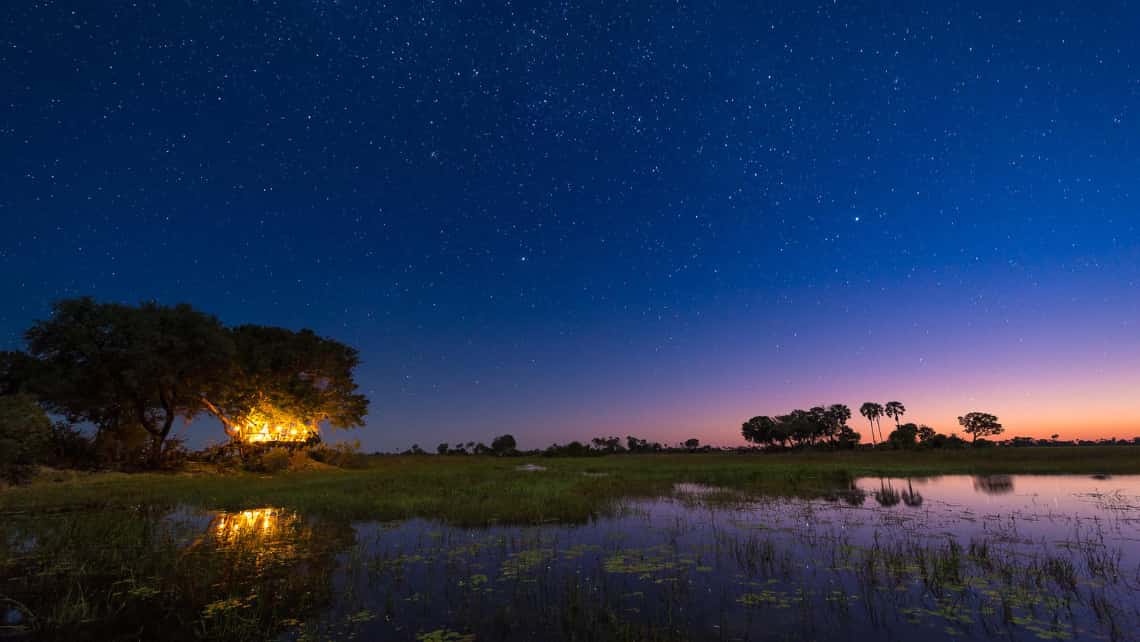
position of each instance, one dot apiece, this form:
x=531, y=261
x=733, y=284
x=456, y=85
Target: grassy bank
x=482, y=490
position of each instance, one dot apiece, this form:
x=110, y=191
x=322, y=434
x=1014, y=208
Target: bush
x=299, y=460
x=175, y=454
x=224, y=455
x=68, y=447
x=342, y=455
x=25, y=434
x=273, y=460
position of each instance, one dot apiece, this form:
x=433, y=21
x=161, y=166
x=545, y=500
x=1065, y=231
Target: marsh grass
x=488, y=490
x=456, y=546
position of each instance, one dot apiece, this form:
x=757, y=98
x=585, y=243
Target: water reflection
x=265, y=535
x=1058, y=560
x=148, y=573
x=956, y=565
x=994, y=484
x=910, y=497
x=887, y=496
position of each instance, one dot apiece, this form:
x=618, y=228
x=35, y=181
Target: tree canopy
x=115, y=365
x=980, y=424
x=803, y=427
x=296, y=374
x=122, y=368
x=503, y=444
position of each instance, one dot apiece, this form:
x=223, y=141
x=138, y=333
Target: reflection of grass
x=98, y=574
x=482, y=490
x=131, y=574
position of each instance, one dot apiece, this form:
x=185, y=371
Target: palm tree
x=895, y=410
x=871, y=411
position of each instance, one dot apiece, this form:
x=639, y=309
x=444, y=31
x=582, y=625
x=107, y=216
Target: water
x=946, y=558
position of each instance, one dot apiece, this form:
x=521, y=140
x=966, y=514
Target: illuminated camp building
x=269, y=425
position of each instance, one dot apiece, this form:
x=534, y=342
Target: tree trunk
x=159, y=437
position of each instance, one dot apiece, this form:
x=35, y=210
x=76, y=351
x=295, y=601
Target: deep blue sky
x=656, y=218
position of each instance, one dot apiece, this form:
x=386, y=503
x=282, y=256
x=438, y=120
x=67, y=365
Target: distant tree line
x=506, y=446
x=826, y=426
x=820, y=427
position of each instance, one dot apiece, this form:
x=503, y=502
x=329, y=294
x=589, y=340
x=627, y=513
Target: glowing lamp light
x=267, y=425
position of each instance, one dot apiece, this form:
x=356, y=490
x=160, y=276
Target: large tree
x=294, y=374
x=763, y=431
x=115, y=365
x=980, y=424
x=503, y=445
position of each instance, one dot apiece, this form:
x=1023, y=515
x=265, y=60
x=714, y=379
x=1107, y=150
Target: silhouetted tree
x=836, y=417
x=763, y=431
x=117, y=366
x=872, y=411
x=847, y=438
x=692, y=444
x=925, y=433
x=503, y=445
x=980, y=424
x=895, y=410
x=904, y=436
x=442, y=448
x=608, y=444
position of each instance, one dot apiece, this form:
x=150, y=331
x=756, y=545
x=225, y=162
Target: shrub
x=299, y=460
x=272, y=460
x=342, y=455
x=25, y=434
x=68, y=447
x=224, y=455
x=175, y=454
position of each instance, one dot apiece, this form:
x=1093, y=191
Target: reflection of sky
x=438, y=574
x=1040, y=510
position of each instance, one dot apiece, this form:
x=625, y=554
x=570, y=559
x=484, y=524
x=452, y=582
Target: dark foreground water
x=947, y=558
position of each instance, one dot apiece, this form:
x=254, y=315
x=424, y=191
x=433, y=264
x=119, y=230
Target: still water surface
x=945, y=558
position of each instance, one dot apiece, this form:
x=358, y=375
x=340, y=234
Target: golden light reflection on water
x=266, y=534
x=258, y=522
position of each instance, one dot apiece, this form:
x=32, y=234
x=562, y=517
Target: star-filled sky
x=564, y=219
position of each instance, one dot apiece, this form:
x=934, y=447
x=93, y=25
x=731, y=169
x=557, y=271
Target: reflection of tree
x=910, y=497
x=887, y=496
x=145, y=573
x=850, y=494
x=993, y=484
x=272, y=565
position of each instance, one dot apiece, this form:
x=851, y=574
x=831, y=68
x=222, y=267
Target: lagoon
x=955, y=557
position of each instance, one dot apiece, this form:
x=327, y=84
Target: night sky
x=575, y=219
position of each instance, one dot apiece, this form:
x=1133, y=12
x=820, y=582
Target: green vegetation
x=131, y=371
x=244, y=556
x=484, y=490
